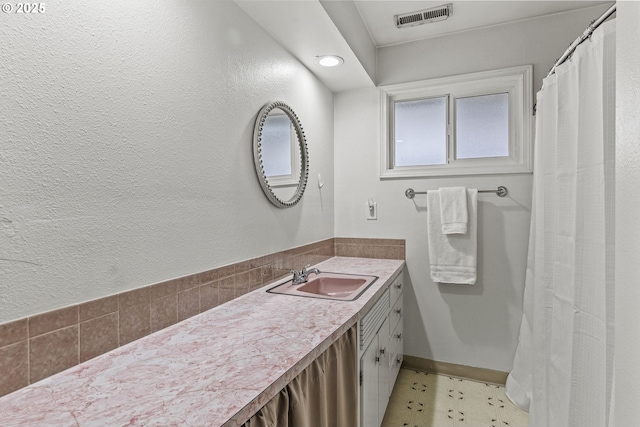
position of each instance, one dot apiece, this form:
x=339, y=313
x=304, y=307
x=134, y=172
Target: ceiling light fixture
x=329, y=60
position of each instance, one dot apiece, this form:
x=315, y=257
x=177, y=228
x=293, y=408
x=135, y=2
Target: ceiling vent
x=420, y=17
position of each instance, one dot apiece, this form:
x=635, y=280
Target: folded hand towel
x=453, y=210
x=452, y=256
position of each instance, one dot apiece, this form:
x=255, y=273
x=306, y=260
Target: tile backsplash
x=39, y=346
x=370, y=248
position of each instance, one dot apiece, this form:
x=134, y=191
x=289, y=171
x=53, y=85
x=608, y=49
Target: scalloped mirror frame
x=257, y=154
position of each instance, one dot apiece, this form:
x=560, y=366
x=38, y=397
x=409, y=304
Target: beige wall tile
x=207, y=277
x=163, y=289
x=208, y=296
x=262, y=261
x=226, y=289
x=346, y=250
x=266, y=274
x=189, y=303
x=295, y=262
x=14, y=368
x=370, y=248
x=254, y=287
x=134, y=323
x=99, y=307
x=322, y=244
x=188, y=282
x=97, y=336
x=12, y=332
x=135, y=297
x=381, y=242
x=225, y=294
x=247, y=280
x=53, y=352
x=53, y=320
x=382, y=252
x=226, y=271
x=281, y=274
x=278, y=261
x=243, y=266
x=164, y=312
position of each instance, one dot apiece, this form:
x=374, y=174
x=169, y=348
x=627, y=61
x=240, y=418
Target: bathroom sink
x=335, y=286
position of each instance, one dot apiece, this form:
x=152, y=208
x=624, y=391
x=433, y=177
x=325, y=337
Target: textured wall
x=469, y=325
x=125, y=148
x=627, y=393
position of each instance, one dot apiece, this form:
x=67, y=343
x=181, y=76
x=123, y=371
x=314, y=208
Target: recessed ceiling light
x=329, y=60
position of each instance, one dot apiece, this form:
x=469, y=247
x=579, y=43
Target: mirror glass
x=280, y=154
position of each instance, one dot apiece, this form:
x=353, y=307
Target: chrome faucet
x=302, y=276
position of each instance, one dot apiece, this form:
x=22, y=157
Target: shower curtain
x=563, y=366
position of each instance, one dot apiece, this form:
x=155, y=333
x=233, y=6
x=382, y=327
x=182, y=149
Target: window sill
x=448, y=170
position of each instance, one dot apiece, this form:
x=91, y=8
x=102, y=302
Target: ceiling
x=305, y=29
x=354, y=29
x=467, y=15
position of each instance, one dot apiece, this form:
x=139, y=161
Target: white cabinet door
x=384, y=369
x=396, y=355
x=378, y=363
x=369, y=365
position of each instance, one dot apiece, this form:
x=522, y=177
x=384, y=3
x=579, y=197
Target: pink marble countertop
x=216, y=369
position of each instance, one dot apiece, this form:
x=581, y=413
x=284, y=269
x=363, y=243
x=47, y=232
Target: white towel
x=452, y=256
x=453, y=210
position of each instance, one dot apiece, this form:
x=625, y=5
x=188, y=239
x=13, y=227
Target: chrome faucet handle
x=296, y=275
x=306, y=271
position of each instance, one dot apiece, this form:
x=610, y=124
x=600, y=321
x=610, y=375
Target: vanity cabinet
x=381, y=353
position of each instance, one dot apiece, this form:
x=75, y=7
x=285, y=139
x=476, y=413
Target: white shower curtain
x=563, y=366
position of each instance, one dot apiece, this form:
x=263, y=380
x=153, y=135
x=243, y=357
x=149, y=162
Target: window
x=472, y=124
x=482, y=126
x=279, y=150
x=421, y=132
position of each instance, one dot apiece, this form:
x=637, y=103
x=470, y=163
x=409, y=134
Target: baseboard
x=454, y=370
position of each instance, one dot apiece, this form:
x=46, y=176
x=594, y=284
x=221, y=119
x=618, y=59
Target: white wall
x=539, y=41
x=470, y=325
x=125, y=147
x=627, y=378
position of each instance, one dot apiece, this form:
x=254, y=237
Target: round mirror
x=280, y=154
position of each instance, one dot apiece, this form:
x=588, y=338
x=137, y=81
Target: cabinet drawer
x=396, y=313
x=396, y=288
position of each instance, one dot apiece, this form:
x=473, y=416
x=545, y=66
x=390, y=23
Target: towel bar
x=500, y=192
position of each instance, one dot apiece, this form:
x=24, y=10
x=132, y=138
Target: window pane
x=482, y=126
x=421, y=132
x=276, y=145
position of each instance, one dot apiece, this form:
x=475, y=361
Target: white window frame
x=516, y=81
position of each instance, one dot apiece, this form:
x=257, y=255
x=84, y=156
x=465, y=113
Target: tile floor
x=422, y=399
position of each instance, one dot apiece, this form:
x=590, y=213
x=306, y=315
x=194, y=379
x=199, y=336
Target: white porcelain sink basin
x=335, y=286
